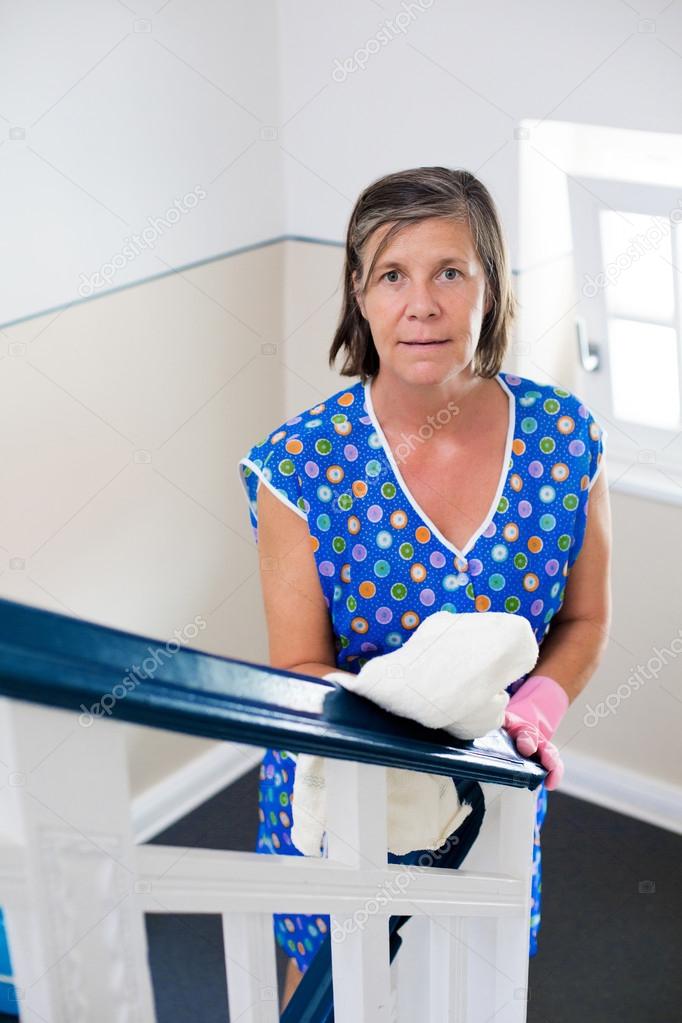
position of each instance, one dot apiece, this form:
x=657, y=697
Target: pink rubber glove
x=532, y=717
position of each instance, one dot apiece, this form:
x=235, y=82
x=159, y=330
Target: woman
x=434, y=482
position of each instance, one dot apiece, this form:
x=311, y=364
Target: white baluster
x=411, y=970
x=447, y=969
x=517, y=824
x=356, y=818
x=251, y=967
x=497, y=948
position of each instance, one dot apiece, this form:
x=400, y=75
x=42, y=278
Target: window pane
x=637, y=257
x=644, y=373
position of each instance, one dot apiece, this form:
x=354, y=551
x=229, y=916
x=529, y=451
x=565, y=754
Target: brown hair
x=408, y=197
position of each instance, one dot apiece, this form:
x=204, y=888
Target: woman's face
x=427, y=285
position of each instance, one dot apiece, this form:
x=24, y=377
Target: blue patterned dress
x=384, y=566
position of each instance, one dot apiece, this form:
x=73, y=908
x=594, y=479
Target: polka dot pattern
x=384, y=566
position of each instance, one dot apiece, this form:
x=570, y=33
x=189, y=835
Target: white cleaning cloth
x=451, y=673
x=422, y=809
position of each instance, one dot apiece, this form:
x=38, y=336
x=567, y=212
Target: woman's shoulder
x=533, y=390
x=287, y=456
x=548, y=398
x=560, y=422
x=312, y=426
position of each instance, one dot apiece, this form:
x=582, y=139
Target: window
x=627, y=252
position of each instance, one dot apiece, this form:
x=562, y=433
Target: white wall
x=117, y=128
x=452, y=88
x=108, y=119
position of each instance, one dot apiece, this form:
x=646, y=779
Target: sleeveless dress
x=384, y=565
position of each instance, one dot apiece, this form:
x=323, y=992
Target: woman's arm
x=300, y=633
x=579, y=633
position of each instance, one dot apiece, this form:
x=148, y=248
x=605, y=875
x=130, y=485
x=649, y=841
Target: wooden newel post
x=76, y=932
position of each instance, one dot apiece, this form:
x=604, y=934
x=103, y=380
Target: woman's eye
x=448, y=269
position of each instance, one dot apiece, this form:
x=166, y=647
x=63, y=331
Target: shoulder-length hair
x=408, y=197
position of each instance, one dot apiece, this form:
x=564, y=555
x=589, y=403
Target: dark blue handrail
x=95, y=670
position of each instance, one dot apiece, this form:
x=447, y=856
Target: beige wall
x=127, y=415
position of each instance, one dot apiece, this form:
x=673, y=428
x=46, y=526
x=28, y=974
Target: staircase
x=74, y=885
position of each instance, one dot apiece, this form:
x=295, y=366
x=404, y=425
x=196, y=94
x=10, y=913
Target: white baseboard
x=191, y=785
x=628, y=792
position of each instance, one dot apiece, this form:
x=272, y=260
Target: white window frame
x=641, y=459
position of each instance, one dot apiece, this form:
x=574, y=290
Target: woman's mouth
x=425, y=344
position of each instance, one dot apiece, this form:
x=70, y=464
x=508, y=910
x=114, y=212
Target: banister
x=50, y=658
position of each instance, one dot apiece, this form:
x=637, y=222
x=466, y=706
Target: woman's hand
x=452, y=671
x=531, y=719
x=527, y=744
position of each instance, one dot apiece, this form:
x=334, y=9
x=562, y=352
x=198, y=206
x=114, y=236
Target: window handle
x=588, y=352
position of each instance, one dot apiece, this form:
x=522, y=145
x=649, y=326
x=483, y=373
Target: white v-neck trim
x=504, y=475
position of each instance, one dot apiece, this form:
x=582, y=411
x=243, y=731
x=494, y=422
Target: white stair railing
x=75, y=887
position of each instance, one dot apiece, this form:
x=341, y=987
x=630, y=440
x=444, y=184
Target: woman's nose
x=421, y=301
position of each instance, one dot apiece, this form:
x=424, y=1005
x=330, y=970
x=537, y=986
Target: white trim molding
x=652, y=480
x=617, y=788
x=183, y=790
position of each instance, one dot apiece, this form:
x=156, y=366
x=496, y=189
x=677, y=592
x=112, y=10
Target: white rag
x=452, y=674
